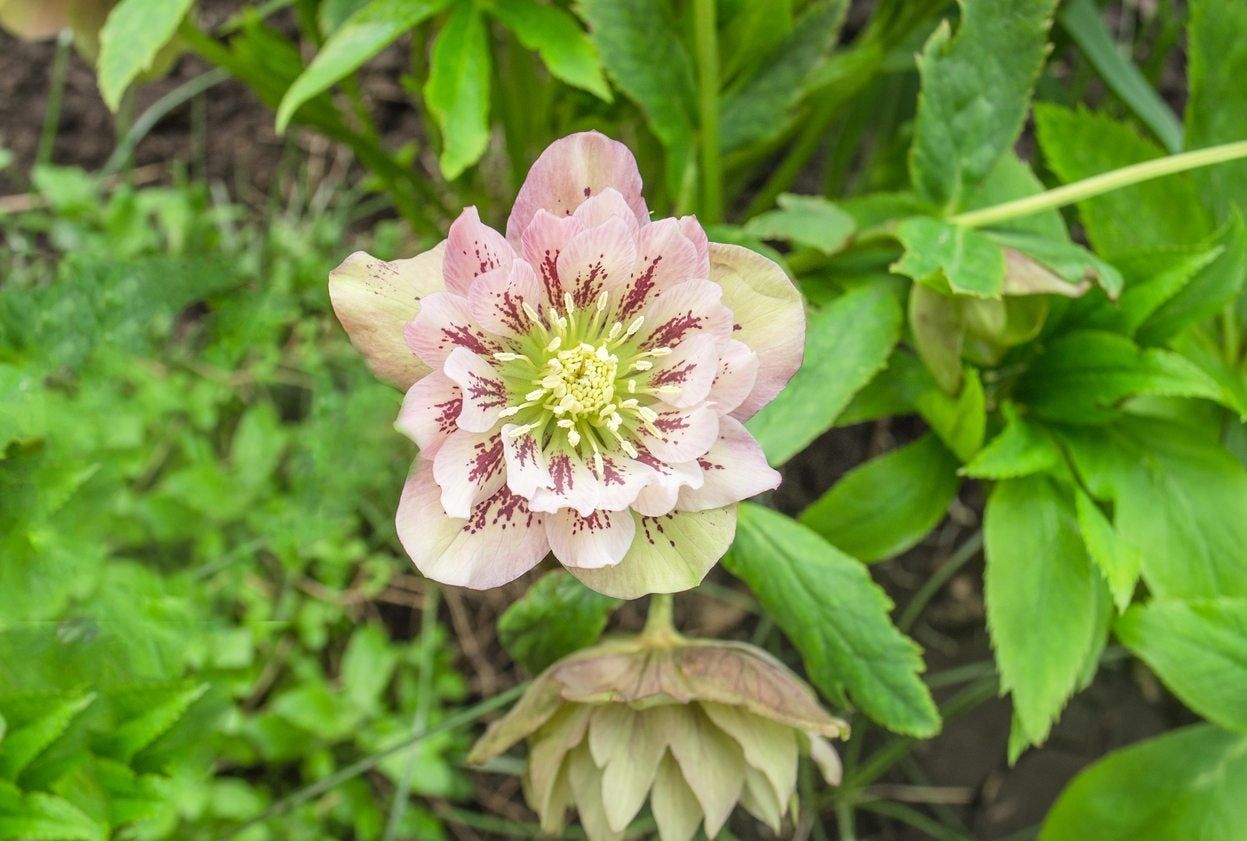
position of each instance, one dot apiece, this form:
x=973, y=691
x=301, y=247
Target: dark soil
x=231, y=139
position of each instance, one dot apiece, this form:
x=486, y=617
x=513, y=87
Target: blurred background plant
x=207, y=628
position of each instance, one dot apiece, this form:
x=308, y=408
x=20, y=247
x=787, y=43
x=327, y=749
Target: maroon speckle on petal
x=638, y=290
x=549, y=268
x=487, y=393
x=561, y=474
x=504, y=510
x=463, y=336
x=611, y=474
x=672, y=331
x=510, y=309
x=597, y=521
x=587, y=192
x=486, y=460
x=675, y=374
x=447, y=413
x=589, y=283
x=652, y=529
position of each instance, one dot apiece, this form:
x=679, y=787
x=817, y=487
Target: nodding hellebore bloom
x=695, y=726
x=578, y=385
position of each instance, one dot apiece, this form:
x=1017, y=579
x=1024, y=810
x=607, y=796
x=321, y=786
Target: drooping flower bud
x=695, y=726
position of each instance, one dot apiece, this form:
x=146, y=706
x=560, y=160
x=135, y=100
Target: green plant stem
x=56, y=95
x=960, y=556
x=914, y=818
x=424, y=702
x=845, y=823
x=1099, y=184
x=706, y=44
x=453, y=722
x=156, y=112
x=659, y=624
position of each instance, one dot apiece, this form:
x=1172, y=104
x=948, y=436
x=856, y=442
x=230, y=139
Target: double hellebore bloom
x=695, y=726
x=578, y=385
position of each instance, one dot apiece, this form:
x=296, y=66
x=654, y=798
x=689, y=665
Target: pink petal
x=472, y=249
x=575, y=482
x=691, y=368
x=526, y=463
x=444, y=323
x=499, y=542
x=668, y=554
x=571, y=170
x=683, y=434
x=665, y=257
x=374, y=299
x=738, y=371
x=497, y=299
x=608, y=204
x=543, y=241
x=483, y=389
x=660, y=497
x=469, y=467
x=594, y=260
x=430, y=411
x=686, y=309
x=735, y=469
x=697, y=235
x=769, y=318
x=598, y=540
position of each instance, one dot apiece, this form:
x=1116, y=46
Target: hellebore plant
x=695, y=726
x=579, y=385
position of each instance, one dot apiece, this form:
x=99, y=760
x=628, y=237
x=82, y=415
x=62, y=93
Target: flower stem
x=1103, y=183
x=659, y=626
x=706, y=44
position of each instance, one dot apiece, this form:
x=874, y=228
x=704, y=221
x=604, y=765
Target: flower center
x=581, y=380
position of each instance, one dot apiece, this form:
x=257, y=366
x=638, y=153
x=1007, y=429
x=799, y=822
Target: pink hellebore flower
x=578, y=385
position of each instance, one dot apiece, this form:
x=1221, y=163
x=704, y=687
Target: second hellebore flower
x=694, y=726
x=579, y=385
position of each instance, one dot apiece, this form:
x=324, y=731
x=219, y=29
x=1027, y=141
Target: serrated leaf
x=1040, y=598
x=846, y=344
x=945, y=255
x=130, y=40
x=975, y=91
x=144, y=713
x=1118, y=560
x=1199, y=795
x=554, y=34
x=364, y=34
x=1156, y=275
x=757, y=109
x=1179, y=499
x=558, y=615
x=650, y=64
x=1165, y=211
x=921, y=481
x=457, y=92
x=36, y=721
x=1199, y=650
x=1021, y=449
x=810, y=221
x=1216, y=110
x=960, y=421
x=39, y=816
x=836, y=616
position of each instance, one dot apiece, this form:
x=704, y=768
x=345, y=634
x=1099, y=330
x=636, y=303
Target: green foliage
x=457, y=92
x=131, y=40
x=1123, y=798
x=837, y=617
x=557, y=616
x=561, y=43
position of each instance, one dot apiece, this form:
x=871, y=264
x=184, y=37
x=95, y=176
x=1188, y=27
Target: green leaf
x=367, y=666
x=1208, y=290
x=810, y=221
x=362, y=36
x=1216, y=110
x=1118, y=561
x=35, y=722
x=836, y=616
x=1186, y=785
x=1071, y=262
x=1165, y=211
x=975, y=92
x=130, y=40
x=846, y=344
x=961, y=421
x=1040, y=598
x=1079, y=377
x=1011, y=179
x=457, y=92
x=918, y=482
x=558, y=615
x=554, y=34
x=1199, y=650
x=1155, y=276
x=758, y=109
x=1021, y=449
x=44, y=817
x=1084, y=24
x=939, y=334
x=1194, y=548
x=647, y=60
x=946, y=255
x=145, y=713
